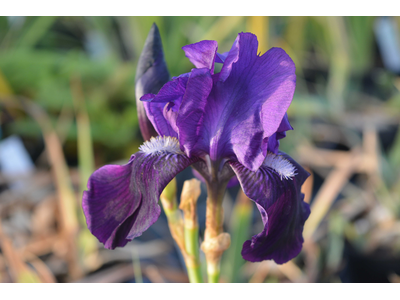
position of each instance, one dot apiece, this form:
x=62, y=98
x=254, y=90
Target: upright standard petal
x=122, y=201
x=275, y=188
x=246, y=105
x=151, y=74
x=230, y=58
x=156, y=113
x=162, y=109
x=272, y=143
x=191, y=113
x=202, y=54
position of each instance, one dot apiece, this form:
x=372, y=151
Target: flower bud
x=151, y=74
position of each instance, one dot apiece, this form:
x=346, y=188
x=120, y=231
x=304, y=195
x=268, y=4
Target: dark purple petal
x=151, y=74
x=172, y=91
x=245, y=106
x=191, y=113
x=147, y=97
x=282, y=209
x=157, y=112
x=202, y=54
x=232, y=57
x=234, y=181
x=187, y=75
x=122, y=201
x=273, y=141
x=162, y=109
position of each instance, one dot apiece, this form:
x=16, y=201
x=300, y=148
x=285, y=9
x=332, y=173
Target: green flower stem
x=185, y=232
x=215, y=240
x=240, y=222
x=213, y=277
x=192, y=249
x=190, y=193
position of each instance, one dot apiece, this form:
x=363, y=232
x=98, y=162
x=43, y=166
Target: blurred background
x=67, y=101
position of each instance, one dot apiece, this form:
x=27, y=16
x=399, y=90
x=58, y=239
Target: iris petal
x=282, y=209
x=172, y=91
x=162, y=109
x=272, y=143
x=235, y=114
x=248, y=102
x=157, y=112
x=122, y=201
x=220, y=58
x=202, y=54
x=191, y=113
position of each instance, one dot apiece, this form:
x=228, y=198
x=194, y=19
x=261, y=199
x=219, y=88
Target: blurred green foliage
x=40, y=56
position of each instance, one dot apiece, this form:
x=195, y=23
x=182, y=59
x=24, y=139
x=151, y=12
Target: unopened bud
x=151, y=74
x=190, y=193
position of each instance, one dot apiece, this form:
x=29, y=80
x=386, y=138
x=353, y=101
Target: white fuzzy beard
x=161, y=145
x=280, y=165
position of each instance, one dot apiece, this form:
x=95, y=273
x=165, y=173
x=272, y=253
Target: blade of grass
x=35, y=31
x=240, y=223
x=85, y=144
x=137, y=270
x=340, y=63
x=87, y=242
x=5, y=89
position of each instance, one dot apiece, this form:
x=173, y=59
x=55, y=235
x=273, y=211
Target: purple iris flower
x=226, y=125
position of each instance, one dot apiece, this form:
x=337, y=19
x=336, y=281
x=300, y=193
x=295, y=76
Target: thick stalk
x=185, y=239
x=215, y=241
x=190, y=193
x=192, y=249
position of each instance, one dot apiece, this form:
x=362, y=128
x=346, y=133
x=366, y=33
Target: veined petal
x=122, y=201
x=258, y=83
x=202, y=54
x=231, y=57
x=157, y=112
x=245, y=106
x=275, y=188
x=191, y=112
x=162, y=109
x=172, y=91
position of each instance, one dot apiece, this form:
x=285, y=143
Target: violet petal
x=245, y=106
x=122, y=201
x=220, y=58
x=156, y=114
x=162, y=109
x=191, y=113
x=282, y=209
x=272, y=142
x=202, y=54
